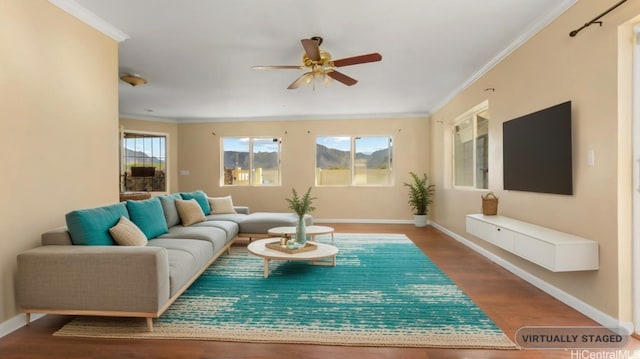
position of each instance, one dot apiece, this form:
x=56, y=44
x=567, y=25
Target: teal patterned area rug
x=383, y=291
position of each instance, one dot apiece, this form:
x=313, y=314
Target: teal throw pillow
x=91, y=226
x=201, y=198
x=148, y=216
x=171, y=215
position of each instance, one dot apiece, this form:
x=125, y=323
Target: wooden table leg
x=266, y=268
x=327, y=261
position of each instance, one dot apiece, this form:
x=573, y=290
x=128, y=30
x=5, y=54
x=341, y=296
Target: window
x=354, y=161
x=470, y=149
x=143, y=162
x=251, y=161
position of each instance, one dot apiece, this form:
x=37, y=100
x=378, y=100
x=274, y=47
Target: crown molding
x=373, y=116
x=519, y=41
x=319, y=117
x=91, y=19
x=130, y=116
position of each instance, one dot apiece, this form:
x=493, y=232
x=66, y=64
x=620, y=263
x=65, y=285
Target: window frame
x=225, y=175
x=123, y=163
x=353, y=182
x=473, y=114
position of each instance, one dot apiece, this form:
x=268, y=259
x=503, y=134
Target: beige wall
x=199, y=153
x=549, y=69
x=169, y=129
x=59, y=126
x=58, y=82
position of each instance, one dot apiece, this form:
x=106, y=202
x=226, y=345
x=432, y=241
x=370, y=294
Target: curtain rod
x=595, y=20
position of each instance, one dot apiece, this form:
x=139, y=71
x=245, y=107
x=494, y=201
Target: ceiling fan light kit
x=320, y=66
x=133, y=80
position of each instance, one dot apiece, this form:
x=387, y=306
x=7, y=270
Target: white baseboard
x=598, y=316
x=16, y=323
x=367, y=221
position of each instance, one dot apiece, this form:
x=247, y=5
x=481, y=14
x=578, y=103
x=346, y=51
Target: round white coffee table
x=323, y=251
x=312, y=231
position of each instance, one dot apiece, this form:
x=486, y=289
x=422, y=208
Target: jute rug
x=383, y=292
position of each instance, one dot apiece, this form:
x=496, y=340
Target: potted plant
x=420, y=197
x=301, y=206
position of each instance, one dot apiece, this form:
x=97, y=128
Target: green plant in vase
x=420, y=197
x=301, y=206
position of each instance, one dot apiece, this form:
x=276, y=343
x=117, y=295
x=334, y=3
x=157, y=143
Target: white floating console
x=553, y=250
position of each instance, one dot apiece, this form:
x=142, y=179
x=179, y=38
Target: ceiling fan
x=320, y=66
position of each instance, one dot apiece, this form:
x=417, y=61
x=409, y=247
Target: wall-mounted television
x=537, y=151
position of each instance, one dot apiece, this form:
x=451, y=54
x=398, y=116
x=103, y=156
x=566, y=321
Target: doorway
x=636, y=182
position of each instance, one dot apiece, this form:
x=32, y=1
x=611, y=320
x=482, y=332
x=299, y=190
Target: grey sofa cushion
x=215, y=236
x=241, y=209
x=231, y=228
x=201, y=251
x=169, y=209
x=260, y=222
x=186, y=257
x=233, y=217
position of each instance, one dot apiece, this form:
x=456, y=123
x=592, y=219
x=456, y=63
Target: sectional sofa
x=134, y=258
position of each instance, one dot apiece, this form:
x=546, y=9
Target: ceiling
x=197, y=55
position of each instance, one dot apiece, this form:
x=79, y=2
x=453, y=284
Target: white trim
x=364, y=116
x=83, y=14
x=635, y=260
x=604, y=319
x=367, y=221
x=126, y=116
x=470, y=115
x=524, y=37
x=474, y=111
x=17, y=322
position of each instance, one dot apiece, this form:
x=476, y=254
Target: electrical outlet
x=591, y=158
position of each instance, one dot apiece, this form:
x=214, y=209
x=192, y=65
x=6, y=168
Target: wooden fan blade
x=300, y=80
x=339, y=76
x=311, y=48
x=277, y=67
x=372, y=57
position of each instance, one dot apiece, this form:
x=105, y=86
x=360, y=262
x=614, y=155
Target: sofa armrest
x=241, y=209
x=93, y=278
x=57, y=236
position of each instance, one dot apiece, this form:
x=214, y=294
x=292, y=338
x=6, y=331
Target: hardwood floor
x=509, y=301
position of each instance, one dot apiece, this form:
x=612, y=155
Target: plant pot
x=420, y=220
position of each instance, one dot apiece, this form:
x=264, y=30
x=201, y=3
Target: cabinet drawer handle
x=499, y=229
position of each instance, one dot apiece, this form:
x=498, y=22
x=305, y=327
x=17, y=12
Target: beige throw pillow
x=189, y=211
x=126, y=233
x=221, y=205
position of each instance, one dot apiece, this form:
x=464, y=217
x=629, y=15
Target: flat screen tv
x=537, y=155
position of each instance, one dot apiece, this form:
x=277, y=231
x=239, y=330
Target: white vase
x=420, y=220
